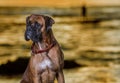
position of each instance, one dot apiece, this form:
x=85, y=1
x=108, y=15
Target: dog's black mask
x=33, y=31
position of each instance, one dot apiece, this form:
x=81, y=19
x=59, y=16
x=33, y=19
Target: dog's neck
x=45, y=45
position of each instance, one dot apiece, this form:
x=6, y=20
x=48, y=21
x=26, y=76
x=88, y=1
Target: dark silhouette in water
x=17, y=67
x=13, y=68
x=84, y=11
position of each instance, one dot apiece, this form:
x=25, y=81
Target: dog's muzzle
x=28, y=34
x=33, y=33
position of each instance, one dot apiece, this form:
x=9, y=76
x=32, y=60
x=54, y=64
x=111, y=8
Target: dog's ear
x=48, y=22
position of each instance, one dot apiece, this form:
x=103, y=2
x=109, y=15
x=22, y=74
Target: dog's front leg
x=60, y=77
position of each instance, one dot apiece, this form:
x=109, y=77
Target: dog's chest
x=44, y=64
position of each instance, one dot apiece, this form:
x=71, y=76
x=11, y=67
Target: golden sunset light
x=58, y=3
x=38, y=37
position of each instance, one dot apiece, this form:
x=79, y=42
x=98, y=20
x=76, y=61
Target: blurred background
x=87, y=30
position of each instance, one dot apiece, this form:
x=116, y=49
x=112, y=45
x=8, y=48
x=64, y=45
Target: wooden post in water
x=84, y=10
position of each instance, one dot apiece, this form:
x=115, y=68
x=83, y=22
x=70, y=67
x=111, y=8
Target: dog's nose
x=27, y=36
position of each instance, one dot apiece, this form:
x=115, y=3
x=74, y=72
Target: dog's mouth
x=35, y=37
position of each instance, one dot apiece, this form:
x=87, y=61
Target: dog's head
x=36, y=25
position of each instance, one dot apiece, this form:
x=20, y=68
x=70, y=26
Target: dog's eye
x=37, y=25
x=28, y=23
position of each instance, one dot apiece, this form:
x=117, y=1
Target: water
x=93, y=47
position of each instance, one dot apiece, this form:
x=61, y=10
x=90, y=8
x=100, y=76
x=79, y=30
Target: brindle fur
x=43, y=67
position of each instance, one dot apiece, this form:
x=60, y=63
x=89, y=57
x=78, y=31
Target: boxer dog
x=47, y=59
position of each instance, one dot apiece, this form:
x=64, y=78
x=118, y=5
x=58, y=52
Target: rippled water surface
x=93, y=47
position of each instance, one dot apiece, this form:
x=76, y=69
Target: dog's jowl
x=47, y=59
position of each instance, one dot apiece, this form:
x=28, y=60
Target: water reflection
x=86, y=44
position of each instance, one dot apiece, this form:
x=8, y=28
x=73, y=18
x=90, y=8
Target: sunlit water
x=87, y=44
